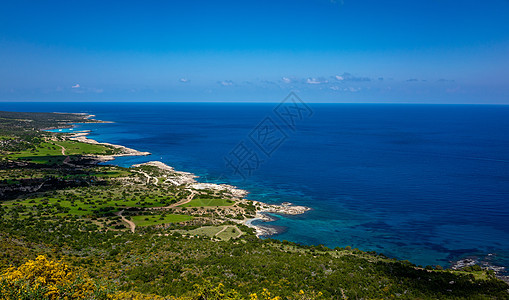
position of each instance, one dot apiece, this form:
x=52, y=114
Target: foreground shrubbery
x=45, y=279
x=50, y=280
x=173, y=266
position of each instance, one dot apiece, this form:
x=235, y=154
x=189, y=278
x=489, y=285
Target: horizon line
x=253, y=102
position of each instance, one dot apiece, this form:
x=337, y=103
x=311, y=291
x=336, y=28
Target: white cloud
x=349, y=77
x=286, y=80
x=76, y=86
x=315, y=81
x=184, y=80
x=226, y=82
x=345, y=89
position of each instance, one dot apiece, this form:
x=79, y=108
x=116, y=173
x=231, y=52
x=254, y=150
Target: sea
x=418, y=182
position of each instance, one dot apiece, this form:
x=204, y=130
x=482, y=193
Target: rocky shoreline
x=180, y=177
x=262, y=214
x=484, y=262
x=262, y=209
x=189, y=179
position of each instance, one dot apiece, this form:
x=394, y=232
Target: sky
x=433, y=51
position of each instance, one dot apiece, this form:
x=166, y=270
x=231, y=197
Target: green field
x=208, y=231
x=74, y=148
x=42, y=149
x=231, y=231
x=47, y=160
x=112, y=173
x=51, y=152
x=198, y=202
x=149, y=220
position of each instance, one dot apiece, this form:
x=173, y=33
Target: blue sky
x=434, y=51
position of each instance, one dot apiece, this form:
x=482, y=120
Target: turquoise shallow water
x=427, y=183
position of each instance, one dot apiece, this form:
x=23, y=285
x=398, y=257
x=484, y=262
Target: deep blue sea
x=427, y=183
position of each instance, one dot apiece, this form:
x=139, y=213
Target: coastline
x=86, y=117
x=189, y=179
x=81, y=136
x=262, y=214
x=123, y=151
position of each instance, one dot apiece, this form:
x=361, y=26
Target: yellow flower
x=49, y=277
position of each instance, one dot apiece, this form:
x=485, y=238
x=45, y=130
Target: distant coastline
x=87, y=118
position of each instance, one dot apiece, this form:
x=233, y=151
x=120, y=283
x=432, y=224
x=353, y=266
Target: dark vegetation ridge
x=24, y=121
x=72, y=229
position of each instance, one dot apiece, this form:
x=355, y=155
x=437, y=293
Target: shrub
x=45, y=279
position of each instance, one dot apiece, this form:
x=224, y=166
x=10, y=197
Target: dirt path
x=224, y=228
x=63, y=148
x=240, y=232
x=187, y=200
x=131, y=224
x=184, y=201
x=67, y=158
x=148, y=177
x=39, y=187
x=230, y=226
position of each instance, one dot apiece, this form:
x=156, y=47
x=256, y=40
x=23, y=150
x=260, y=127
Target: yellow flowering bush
x=135, y=296
x=45, y=279
x=264, y=295
x=301, y=295
x=209, y=292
